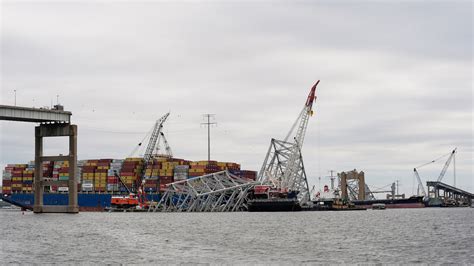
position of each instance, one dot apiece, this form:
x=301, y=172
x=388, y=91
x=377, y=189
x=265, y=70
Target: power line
x=209, y=124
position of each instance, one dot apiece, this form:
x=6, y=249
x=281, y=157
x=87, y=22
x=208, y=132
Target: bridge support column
x=55, y=130
x=359, y=176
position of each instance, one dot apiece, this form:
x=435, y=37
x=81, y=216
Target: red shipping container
x=128, y=168
x=164, y=182
x=88, y=169
x=123, y=173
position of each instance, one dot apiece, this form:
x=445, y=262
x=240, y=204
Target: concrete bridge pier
x=55, y=130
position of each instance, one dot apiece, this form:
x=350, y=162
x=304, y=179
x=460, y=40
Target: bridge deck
x=38, y=115
x=446, y=187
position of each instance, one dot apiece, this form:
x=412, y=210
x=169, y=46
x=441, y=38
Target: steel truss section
x=218, y=192
x=276, y=169
x=353, y=189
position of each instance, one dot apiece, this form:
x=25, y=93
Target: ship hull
x=86, y=201
x=412, y=202
x=270, y=205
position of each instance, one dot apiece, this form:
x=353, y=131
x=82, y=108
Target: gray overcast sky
x=395, y=91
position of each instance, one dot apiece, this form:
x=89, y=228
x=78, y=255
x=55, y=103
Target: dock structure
x=445, y=195
x=53, y=123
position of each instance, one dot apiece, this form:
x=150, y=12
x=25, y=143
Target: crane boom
x=420, y=184
x=290, y=176
x=303, y=117
x=446, y=165
x=152, y=144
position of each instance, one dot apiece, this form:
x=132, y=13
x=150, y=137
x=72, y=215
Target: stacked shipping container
x=27, y=180
x=99, y=175
x=113, y=184
x=131, y=169
x=88, y=174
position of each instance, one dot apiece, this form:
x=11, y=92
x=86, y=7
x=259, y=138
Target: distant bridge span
x=446, y=195
x=36, y=115
x=53, y=123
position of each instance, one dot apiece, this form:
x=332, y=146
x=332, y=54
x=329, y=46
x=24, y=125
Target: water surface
x=430, y=235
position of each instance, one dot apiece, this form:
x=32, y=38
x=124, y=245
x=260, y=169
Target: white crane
x=446, y=165
x=441, y=175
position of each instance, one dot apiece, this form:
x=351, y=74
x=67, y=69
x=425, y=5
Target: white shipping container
x=63, y=189
x=179, y=177
x=112, y=187
x=87, y=185
x=6, y=173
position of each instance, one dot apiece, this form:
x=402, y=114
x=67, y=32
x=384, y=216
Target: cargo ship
x=411, y=202
x=97, y=182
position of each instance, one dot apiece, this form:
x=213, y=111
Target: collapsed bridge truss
x=217, y=192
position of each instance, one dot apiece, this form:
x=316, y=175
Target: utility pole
x=209, y=124
x=14, y=91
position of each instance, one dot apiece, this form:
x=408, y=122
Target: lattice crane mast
x=283, y=165
x=446, y=165
x=152, y=143
x=420, y=184
x=290, y=179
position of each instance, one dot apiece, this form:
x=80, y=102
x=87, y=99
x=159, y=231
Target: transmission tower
x=209, y=124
